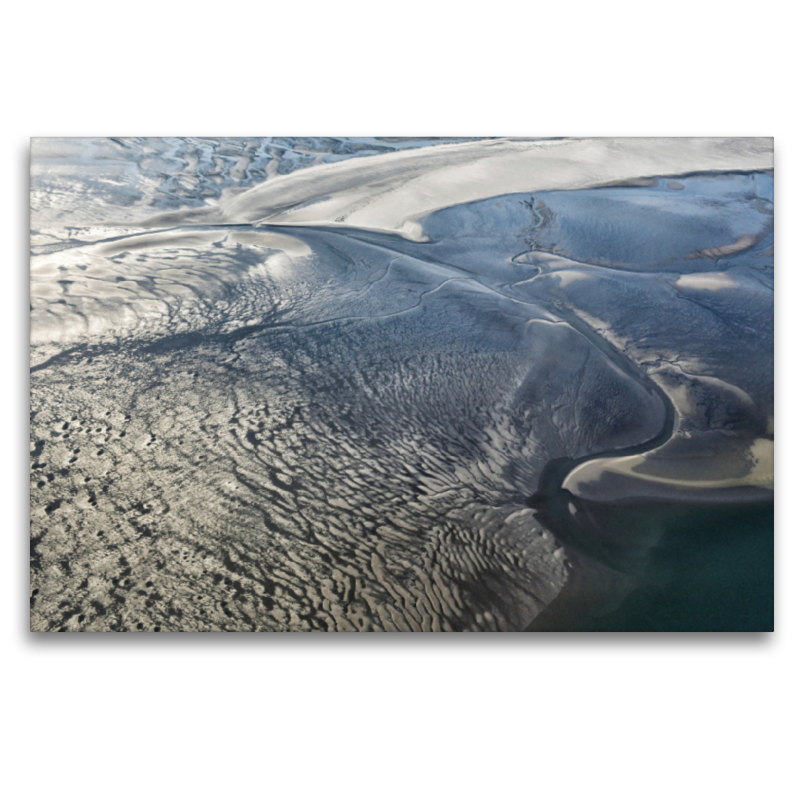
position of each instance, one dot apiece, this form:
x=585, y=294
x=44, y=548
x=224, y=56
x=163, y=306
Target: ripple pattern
x=255, y=427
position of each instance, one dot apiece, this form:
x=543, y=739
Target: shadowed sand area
x=387, y=385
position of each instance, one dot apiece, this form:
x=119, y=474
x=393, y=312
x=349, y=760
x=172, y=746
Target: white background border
x=298, y=716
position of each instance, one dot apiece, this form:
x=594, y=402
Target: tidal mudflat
x=294, y=384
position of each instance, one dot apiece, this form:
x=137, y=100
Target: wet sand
x=346, y=423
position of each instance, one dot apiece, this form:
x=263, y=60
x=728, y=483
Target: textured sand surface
x=312, y=384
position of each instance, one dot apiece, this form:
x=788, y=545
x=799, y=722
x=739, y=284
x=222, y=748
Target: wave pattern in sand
x=276, y=424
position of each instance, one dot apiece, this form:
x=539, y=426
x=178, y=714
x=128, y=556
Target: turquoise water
x=712, y=571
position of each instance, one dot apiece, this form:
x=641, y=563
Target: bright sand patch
x=658, y=477
x=708, y=281
x=391, y=192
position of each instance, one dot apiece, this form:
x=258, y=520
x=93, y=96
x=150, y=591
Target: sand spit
x=663, y=475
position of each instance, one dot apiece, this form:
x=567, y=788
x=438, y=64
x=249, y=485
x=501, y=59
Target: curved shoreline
x=550, y=501
x=600, y=566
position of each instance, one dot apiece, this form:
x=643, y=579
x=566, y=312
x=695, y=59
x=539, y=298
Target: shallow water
x=713, y=570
